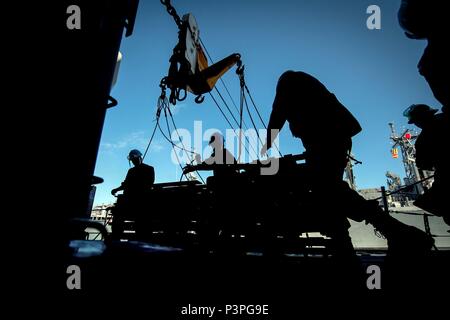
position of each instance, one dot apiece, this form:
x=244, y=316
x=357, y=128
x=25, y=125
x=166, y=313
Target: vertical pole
x=385, y=203
x=426, y=224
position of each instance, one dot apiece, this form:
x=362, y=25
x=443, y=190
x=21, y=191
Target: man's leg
x=401, y=237
x=327, y=171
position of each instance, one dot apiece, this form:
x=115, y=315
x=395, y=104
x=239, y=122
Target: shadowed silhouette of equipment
x=246, y=212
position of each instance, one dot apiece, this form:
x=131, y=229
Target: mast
x=405, y=142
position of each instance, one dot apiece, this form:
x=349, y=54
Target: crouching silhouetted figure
x=431, y=155
x=313, y=113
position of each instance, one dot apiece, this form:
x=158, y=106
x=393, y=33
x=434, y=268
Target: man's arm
x=152, y=175
x=424, y=155
x=276, y=121
x=280, y=106
x=123, y=185
x=115, y=190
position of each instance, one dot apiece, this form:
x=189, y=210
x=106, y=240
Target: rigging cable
x=181, y=141
x=167, y=107
x=234, y=104
x=259, y=115
x=252, y=121
x=223, y=83
x=164, y=105
x=151, y=139
x=226, y=105
x=229, y=94
x=172, y=12
x=237, y=123
x=226, y=119
x=173, y=145
x=240, y=72
x=161, y=102
x=232, y=101
x=254, y=106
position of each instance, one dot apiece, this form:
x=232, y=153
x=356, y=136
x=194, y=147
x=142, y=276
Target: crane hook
x=199, y=99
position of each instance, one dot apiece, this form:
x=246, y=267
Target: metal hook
x=178, y=94
x=199, y=99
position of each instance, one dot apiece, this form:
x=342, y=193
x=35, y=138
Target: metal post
x=384, y=197
x=426, y=224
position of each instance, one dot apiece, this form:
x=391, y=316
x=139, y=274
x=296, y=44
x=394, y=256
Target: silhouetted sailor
x=221, y=158
x=137, y=184
x=220, y=155
x=139, y=179
x=326, y=128
x=315, y=116
x=223, y=184
x=431, y=155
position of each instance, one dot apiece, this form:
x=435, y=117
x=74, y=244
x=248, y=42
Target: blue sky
x=372, y=72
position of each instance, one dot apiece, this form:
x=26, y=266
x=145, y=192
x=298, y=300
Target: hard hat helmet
x=417, y=111
x=216, y=138
x=134, y=154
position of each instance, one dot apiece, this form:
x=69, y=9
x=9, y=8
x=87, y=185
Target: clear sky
x=372, y=72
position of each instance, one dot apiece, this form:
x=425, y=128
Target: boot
x=401, y=237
